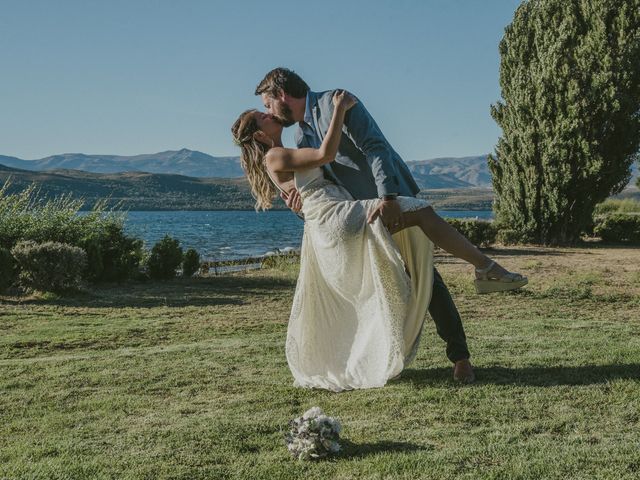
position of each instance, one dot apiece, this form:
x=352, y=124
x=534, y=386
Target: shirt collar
x=308, y=115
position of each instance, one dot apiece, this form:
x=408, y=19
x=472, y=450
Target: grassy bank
x=188, y=379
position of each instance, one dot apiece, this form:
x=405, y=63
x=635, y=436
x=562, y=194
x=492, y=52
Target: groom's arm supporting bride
x=363, y=131
x=363, y=137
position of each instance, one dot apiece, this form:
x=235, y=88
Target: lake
x=226, y=235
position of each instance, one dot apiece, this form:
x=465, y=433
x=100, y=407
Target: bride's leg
x=446, y=237
x=490, y=276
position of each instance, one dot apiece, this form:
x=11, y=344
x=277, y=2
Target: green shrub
x=165, y=258
x=618, y=227
x=50, y=266
x=509, y=236
x=190, y=263
x=479, y=232
x=612, y=205
x=112, y=255
x=285, y=263
x=29, y=216
x=604, y=208
x=8, y=270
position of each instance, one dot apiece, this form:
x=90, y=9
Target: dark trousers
x=447, y=319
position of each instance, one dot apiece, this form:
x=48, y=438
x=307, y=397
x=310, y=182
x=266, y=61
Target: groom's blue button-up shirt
x=307, y=125
x=313, y=137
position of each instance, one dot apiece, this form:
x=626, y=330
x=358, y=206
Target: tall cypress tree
x=570, y=114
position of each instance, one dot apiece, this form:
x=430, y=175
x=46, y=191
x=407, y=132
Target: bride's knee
x=428, y=218
x=428, y=210
x=417, y=218
x=427, y=213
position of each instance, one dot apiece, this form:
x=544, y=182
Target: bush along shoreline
x=614, y=222
x=47, y=245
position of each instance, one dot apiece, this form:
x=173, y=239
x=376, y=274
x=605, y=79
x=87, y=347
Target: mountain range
x=136, y=190
x=162, y=191
x=190, y=180
x=435, y=173
x=464, y=172
x=181, y=162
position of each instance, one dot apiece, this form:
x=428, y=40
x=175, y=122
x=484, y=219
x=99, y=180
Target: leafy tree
x=570, y=114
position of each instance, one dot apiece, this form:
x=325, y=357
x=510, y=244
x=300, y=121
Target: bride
x=362, y=295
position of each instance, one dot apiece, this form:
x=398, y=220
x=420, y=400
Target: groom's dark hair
x=282, y=79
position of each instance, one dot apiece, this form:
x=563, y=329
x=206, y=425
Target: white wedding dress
x=362, y=295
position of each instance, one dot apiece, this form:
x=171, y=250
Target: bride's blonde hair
x=252, y=154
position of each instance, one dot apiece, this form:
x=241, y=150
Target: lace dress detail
x=361, y=296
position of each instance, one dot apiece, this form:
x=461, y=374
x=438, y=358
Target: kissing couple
x=367, y=277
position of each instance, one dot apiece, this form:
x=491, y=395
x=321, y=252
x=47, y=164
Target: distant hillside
x=448, y=183
x=464, y=172
x=452, y=172
x=435, y=173
x=182, y=162
x=137, y=190
x=150, y=191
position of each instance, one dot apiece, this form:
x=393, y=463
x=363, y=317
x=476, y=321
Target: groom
x=368, y=167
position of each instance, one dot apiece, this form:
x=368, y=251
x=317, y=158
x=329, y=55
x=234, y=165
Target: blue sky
x=139, y=76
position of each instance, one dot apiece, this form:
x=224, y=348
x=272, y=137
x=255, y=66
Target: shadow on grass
x=197, y=292
x=360, y=450
x=558, y=251
x=529, y=252
x=533, y=376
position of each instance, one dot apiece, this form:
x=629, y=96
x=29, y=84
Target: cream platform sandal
x=508, y=281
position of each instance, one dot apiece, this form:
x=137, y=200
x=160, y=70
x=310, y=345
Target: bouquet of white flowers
x=313, y=435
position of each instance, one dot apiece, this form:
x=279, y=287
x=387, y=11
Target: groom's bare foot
x=463, y=372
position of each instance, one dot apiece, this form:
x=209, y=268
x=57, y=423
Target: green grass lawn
x=188, y=379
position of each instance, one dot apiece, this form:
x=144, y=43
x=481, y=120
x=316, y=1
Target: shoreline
x=470, y=209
